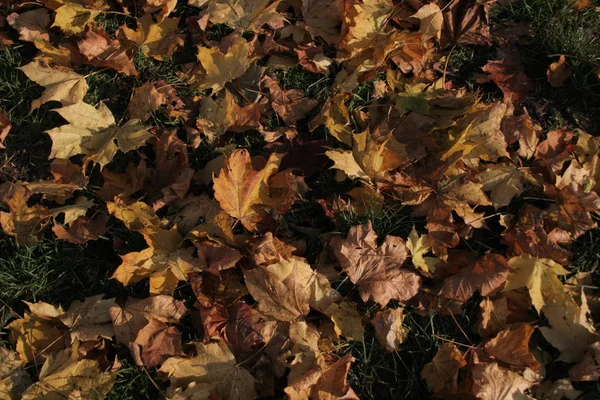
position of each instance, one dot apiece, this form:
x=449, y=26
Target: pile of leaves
x=231, y=237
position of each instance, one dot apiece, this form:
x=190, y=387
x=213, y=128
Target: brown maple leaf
x=441, y=374
x=511, y=346
x=508, y=74
x=291, y=105
x=376, y=269
x=486, y=275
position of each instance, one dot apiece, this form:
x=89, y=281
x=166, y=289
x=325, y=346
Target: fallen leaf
x=221, y=67
x=441, y=374
x=243, y=190
x=14, y=379
x=290, y=105
x=157, y=40
x=214, y=365
x=511, y=346
x=485, y=276
x=65, y=86
x=432, y=20
x=90, y=319
x=246, y=14
x=490, y=381
x=93, y=132
x=145, y=100
x=558, y=72
x=157, y=341
x=64, y=376
x=418, y=246
x=509, y=75
x=389, y=331
x=376, y=269
x=32, y=25
x=505, y=182
x=5, y=127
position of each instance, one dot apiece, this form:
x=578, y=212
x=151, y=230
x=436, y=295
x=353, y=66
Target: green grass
x=586, y=254
x=316, y=86
x=26, y=157
x=134, y=382
x=387, y=220
x=557, y=28
x=381, y=374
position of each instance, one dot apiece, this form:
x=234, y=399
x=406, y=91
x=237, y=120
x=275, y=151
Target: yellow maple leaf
x=93, y=131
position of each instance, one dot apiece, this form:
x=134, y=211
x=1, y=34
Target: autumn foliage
x=272, y=302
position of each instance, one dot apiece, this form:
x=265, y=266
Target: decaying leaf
x=64, y=376
x=94, y=132
x=215, y=366
x=376, y=269
x=388, y=328
x=64, y=85
x=441, y=374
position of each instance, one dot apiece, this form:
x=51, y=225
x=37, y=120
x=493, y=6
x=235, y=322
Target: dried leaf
x=376, y=269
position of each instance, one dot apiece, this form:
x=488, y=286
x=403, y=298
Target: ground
x=59, y=272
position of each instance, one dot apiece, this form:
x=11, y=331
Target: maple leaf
x=389, y=331
x=156, y=40
x=290, y=105
x=90, y=319
x=558, y=72
x=38, y=333
x=572, y=208
x=145, y=100
x=323, y=18
x=367, y=26
x=93, y=132
x=214, y=365
x=73, y=16
x=376, y=269
x=529, y=235
x=5, y=127
x=14, y=379
x=509, y=75
x=73, y=211
x=246, y=192
x=64, y=376
x=492, y=382
x=479, y=134
x=23, y=222
x=570, y=330
x=246, y=14
x=441, y=374
x=369, y=159
x=286, y=289
x=539, y=276
x=432, y=20
x=333, y=383
x=345, y=317
x=165, y=261
x=486, y=275
x=505, y=182
x=418, y=246
x=511, y=346
x=588, y=369
x=157, y=341
x=62, y=85
x=334, y=115
x=99, y=49
x=31, y=25
x=224, y=114
x=172, y=176
x=82, y=229
x=465, y=22
x=220, y=67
